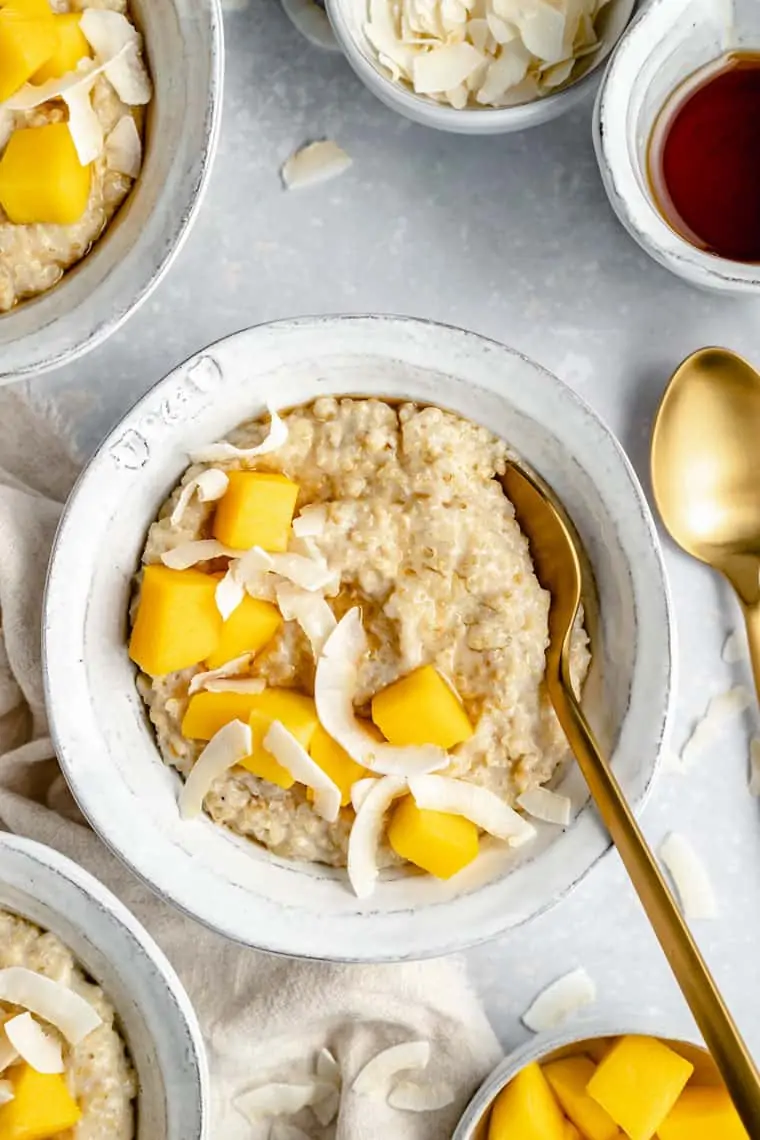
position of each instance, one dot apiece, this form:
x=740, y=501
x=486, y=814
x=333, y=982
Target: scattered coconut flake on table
x=288, y=752
x=410, y=1096
x=559, y=1001
x=229, y=669
x=374, y=1078
x=312, y=22
x=314, y=163
x=124, y=153
x=187, y=554
x=544, y=804
x=55, y=1003
x=117, y=43
x=364, y=837
x=732, y=702
x=476, y=803
x=6, y=1092
x=34, y=1045
x=310, y=610
x=689, y=876
x=280, y=1099
x=754, y=766
x=225, y=749
x=215, y=452
x=210, y=484
x=734, y=648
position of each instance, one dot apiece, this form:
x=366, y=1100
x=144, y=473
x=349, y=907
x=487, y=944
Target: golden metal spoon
x=555, y=551
x=706, y=472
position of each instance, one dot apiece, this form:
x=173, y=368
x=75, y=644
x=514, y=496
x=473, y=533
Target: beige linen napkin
x=262, y=1017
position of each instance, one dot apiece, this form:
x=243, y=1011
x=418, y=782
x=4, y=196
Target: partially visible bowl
x=184, y=48
x=155, y=1015
x=107, y=746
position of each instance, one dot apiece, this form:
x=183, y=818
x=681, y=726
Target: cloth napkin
x=262, y=1017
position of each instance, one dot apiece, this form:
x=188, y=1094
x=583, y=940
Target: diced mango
x=71, y=46
x=261, y=762
x=27, y=40
x=296, y=712
x=703, y=1114
x=598, y=1049
x=568, y=1079
x=421, y=708
x=439, y=843
x=178, y=623
x=256, y=510
x=571, y=1132
x=208, y=712
x=36, y=8
x=336, y=762
x=638, y=1082
x=42, y=1106
x=41, y=177
x=247, y=630
x=527, y=1109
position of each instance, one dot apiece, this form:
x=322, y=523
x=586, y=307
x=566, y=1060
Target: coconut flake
x=312, y=22
x=317, y=162
x=365, y=834
x=228, y=669
x=237, y=685
x=211, y=484
x=308, y=573
x=374, y=1078
x=327, y=1066
x=733, y=648
x=360, y=789
x=283, y=1130
x=481, y=806
x=124, y=153
x=273, y=441
x=55, y=1003
x=117, y=44
x=280, y=1099
x=311, y=522
x=446, y=67
x=326, y=1109
x=689, y=877
x=544, y=804
x=754, y=762
x=504, y=73
x=84, y=125
x=32, y=95
x=288, y=752
x=229, y=593
x=187, y=554
x=412, y=1097
x=559, y=1001
x=311, y=611
x=724, y=705
x=34, y=1045
x=6, y=1092
x=542, y=27
x=227, y=747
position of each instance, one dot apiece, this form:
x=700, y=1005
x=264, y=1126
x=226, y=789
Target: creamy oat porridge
x=430, y=683
x=73, y=87
x=64, y=1070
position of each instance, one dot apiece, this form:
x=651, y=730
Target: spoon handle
x=718, y=1028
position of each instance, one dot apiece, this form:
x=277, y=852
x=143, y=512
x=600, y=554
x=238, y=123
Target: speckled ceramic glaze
x=155, y=1015
x=103, y=738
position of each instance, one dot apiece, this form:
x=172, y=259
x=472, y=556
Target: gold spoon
x=706, y=472
x=555, y=551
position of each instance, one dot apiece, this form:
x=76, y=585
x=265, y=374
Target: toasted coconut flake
x=410, y=1096
x=187, y=554
x=754, y=762
x=557, y=74
x=227, y=747
x=311, y=611
x=483, y=807
x=365, y=834
x=311, y=522
x=34, y=1045
x=288, y=752
x=215, y=452
x=229, y=669
x=124, y=154
x=84, y=125
x=446, y=67
x=543, y=31
x=730, y=703
x=360, y=790
x=560, y=1001
x=328, y=1068
x=734, y=648
x=229, y=593
x=689, y=876
x=504, y=73
x=280, y=1099
x=53, y=1002
x=375, y=1077
x=544, y=804
x=117, y=45
x=33, y=95
x=326, y=1109
x=6, y=1092
x=211, y=484
x=317, y=162
x=308, y=573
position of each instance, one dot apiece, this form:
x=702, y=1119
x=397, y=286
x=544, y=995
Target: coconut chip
x=311, y=611
x=374, y=1078
x=55, y=1003
x=317, y=162
x=117, y=45
x=754, y=763
x=6, y=1092
x=481, y=806
x=227, y=747
x=124, y=151
x=187, y=554
x=327, y=1108
x=275, y=438
x=327, y=1067
x=211, y=484
x=559, y=1001
x=229, y=669
x=364, y=837
x=689, y=877
x=311, y=522
x=733, y=648
x=360, y=789
x=237, y=685
x=546, y=805
x=412, y=1097
x=312, y=22
x=730, y=703
x=34, y=1045
x=32, y=95
x=280, y=1099
x=229, y=593
x=288, y=752
x=83, y=123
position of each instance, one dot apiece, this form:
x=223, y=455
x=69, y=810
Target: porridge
x=73, y=86
x=396, y=632
x=84, y=1088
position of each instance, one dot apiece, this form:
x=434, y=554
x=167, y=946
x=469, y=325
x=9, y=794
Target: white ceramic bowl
x=667, y=43
x=348, y=18
x=183, y=42
x=103, y=737
x=155, y=1015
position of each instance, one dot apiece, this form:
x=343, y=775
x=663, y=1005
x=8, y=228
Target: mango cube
x=261, y=762
x=527, y=1110
x=27, y=40
x=37, y=8
x=295, y=712
x=568, y=1079
x=208, y=712
x=256, y=510
x=71, y=46
x=421, y=708
x=336, y=762
x=439, y=843
x=703, y=1114
x=42, y=1106
x=571, y=1132
x=178, y=623
x=41, y=177
x=638, y=1082
x=247, y=630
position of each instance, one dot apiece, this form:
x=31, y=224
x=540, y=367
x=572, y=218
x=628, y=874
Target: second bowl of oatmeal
x=340, y=639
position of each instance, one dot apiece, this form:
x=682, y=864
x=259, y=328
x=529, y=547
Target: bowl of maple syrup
x=677, y=136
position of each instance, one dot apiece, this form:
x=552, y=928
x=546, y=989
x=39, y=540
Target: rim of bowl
x=232, y=921
x=50, y=862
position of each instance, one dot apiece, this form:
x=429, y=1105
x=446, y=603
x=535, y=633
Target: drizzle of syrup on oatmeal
x=704, y=159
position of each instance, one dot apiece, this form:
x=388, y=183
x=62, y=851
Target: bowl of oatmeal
x=317, y=630
x=105, y=148
x=98, y=1040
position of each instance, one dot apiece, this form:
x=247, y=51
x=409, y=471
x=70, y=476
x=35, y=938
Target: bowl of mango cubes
x=105, y=146
x=604, y=1083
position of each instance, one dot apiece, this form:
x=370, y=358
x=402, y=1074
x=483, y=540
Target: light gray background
x=511, y=237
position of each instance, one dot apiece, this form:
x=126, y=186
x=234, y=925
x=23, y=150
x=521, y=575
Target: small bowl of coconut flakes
x=479, y=66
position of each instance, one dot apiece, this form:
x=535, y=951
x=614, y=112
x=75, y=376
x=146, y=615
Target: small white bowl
x=667, y=43
x=155, y=1015
x=103, y=736
x=348, y=18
